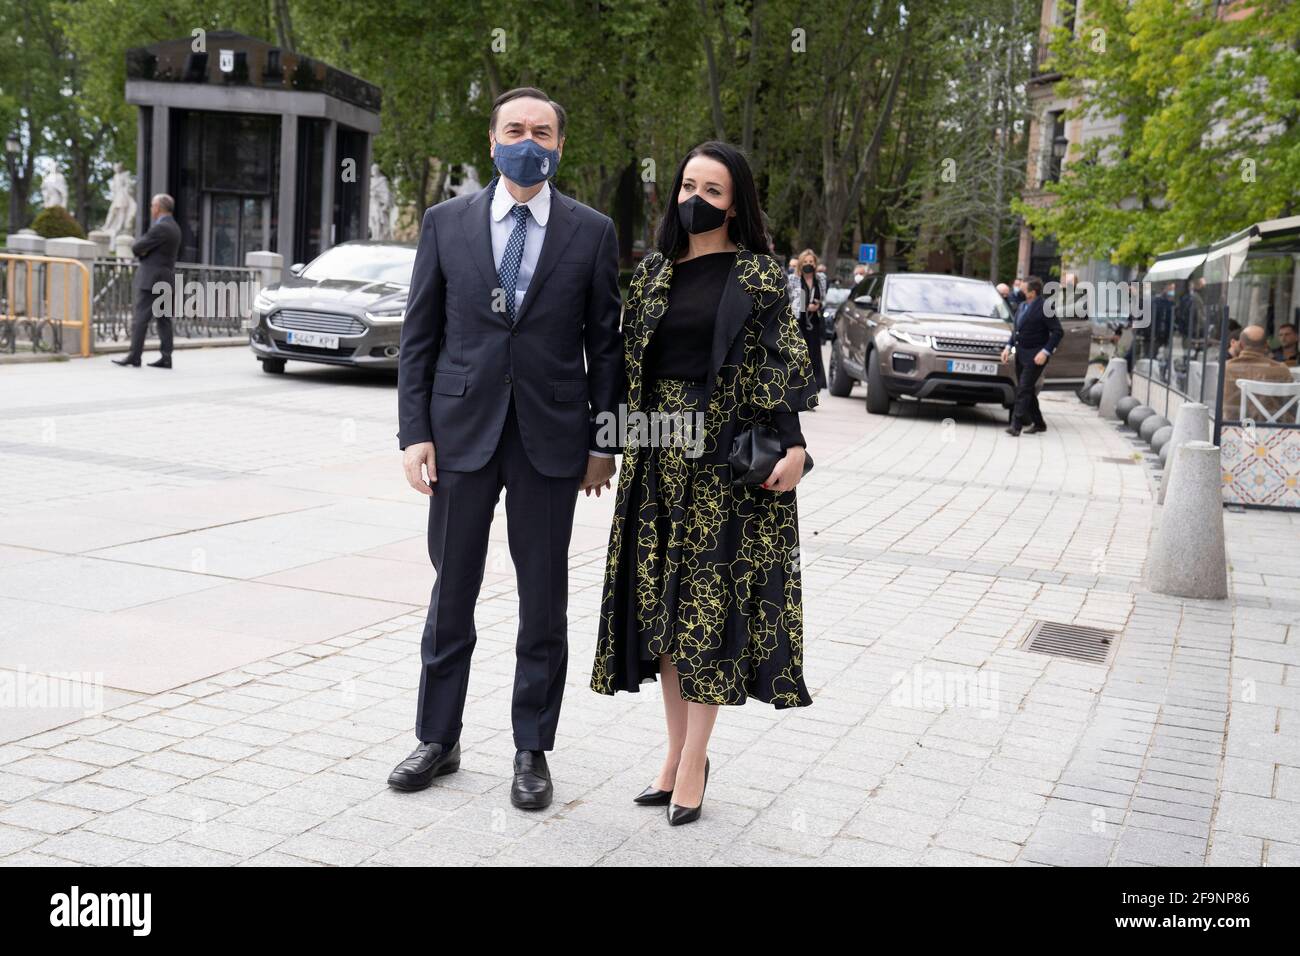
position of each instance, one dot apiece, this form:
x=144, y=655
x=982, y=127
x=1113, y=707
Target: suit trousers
x=143, y=312
x=1028, y=373
x=539, y=524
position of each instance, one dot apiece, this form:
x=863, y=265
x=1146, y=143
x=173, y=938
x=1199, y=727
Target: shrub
x=57, y=223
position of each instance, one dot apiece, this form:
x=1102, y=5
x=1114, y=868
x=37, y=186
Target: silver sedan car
x=345, y=308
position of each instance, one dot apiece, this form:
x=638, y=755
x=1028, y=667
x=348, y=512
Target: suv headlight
x=263, y=302
x=387, y=316
x=911, y=338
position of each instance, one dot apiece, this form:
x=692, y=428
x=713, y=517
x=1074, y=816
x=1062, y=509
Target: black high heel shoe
x=680, y=815
x=653, y=797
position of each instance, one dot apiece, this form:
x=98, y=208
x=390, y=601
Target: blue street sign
x=867, y=252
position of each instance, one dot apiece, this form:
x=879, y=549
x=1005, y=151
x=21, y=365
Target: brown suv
x=925, y=336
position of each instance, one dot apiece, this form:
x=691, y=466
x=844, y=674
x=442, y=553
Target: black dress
x=701, y=570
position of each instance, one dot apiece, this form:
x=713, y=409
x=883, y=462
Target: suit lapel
x=560, y=227
x=733, y=308
x=475, y=220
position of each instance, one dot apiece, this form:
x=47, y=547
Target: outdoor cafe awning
x=1175, y=266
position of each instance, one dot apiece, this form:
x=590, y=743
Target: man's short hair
x=165, y=202
x=1287, y=325
x=1034, y=283
x=527, y=92
x=1003, y=288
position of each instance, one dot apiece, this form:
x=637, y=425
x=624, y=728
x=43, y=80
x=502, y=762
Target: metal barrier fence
x=205, y=302
x=42, y=297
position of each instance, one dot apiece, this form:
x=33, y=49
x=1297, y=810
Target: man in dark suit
x=1035, y=334
x=156, y=250
x=511, y=287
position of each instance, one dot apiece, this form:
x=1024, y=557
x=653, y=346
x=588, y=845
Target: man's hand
x=1006, y=354
x=599, y=471
x=787, y=472
x=1041, y=357
x=413, y=456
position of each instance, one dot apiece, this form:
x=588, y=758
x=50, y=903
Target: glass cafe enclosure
x=1200, y=298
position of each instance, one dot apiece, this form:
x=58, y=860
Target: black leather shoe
x=127, y=361
x=161, y=363
x=1013, y=431
x=653, y=797
x=679, y=815
x=426, y=762
x=531, y=789
x=1035, y=429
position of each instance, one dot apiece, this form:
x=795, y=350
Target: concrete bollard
x=1192, y=423
x=1139, y=415
x=1124, y=406
x=1187, y=556
x=1094, y=394
x=1114, y=386
x=1161, y=438
x=1150, y=426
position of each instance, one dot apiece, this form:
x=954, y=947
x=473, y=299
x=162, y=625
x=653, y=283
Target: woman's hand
x=787, y=472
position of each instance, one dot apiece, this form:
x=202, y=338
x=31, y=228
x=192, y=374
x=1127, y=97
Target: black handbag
x=755, y=452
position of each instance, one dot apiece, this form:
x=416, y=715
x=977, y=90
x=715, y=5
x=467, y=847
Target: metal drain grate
x=1089, y=644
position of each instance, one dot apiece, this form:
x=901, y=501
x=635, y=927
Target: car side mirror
x=297, y=268
x=862, y=300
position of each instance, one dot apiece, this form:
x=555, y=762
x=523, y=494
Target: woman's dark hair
x=746, y=228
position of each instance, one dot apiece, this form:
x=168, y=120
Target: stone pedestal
x=122, y=246
x=1187, y=556
x=69, y=287
x=102, y=239
x=269, y=264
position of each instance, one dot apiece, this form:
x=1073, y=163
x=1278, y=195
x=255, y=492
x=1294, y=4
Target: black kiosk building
x=262, y=148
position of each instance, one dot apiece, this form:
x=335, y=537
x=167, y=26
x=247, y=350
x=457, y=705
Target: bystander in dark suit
x=156, y=251
x=1034, y=336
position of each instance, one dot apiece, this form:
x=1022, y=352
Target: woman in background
x=807, y=294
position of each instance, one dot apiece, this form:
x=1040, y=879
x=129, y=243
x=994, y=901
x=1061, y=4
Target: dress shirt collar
x=539, y=207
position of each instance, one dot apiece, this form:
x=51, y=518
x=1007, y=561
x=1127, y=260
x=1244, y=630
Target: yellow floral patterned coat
x=733, y=622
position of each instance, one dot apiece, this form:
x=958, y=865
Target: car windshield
x=941, y=296
x=836, y=296
x=365, y=263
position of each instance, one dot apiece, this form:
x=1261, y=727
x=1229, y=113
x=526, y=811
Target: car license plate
x=314, y=339
x=973, y=368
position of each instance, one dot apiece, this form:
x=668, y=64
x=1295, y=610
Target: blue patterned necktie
x=508, y=271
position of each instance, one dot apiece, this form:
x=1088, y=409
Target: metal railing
x=42, y=297
x=206, y=301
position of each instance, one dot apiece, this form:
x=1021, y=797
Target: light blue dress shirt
x=539, y=208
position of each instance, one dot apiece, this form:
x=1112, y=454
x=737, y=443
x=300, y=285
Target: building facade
x=262, y=148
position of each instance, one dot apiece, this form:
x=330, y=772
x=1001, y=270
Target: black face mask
x=808, y=270
x=699, y=215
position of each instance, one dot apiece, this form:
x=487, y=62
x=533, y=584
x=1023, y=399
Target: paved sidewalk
x=237, y=557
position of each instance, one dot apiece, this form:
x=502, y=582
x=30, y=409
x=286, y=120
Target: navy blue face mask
x=525, y=162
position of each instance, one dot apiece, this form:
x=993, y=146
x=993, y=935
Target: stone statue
x=381, y=205
x=121, y=203
x=54, y=188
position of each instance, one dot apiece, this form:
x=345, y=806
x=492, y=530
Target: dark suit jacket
x=461, y=360
x=156, y=250
x=1034, y=329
